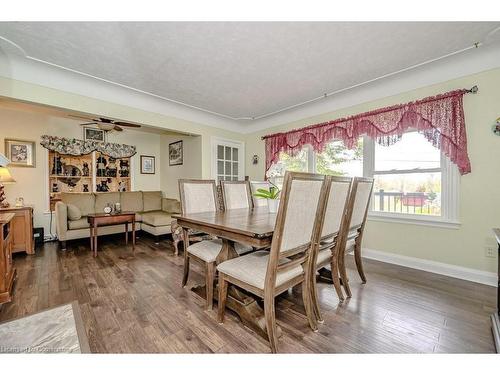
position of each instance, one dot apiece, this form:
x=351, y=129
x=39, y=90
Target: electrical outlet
x=489, y=251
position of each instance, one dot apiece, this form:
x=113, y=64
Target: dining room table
x=253, y=227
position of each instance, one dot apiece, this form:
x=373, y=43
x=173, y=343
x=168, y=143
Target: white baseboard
x=464, y=273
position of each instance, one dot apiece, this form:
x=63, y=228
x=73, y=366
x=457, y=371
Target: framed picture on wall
x=93, y=134
x=21, y=153
x=175, y=153
x=147, y=164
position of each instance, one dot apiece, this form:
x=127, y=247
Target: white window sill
x=414, y=220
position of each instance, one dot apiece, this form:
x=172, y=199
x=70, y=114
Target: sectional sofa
x=153, y=213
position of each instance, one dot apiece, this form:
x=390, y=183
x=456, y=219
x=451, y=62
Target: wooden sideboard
x=7, y=272
x=22, y=228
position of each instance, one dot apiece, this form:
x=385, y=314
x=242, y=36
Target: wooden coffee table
x=102, y=219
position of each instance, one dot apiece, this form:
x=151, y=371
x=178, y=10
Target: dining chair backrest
x=298, y=222
x=336, y=206
x=236, y=194
x=361, y=193
x=259, y=202
x=198, y=196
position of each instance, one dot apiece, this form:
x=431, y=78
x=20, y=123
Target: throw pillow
x=74, y=213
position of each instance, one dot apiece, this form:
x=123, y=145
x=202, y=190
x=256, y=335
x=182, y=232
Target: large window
x=413, y=180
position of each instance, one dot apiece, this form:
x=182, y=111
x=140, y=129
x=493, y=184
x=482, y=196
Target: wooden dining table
x=253, y=227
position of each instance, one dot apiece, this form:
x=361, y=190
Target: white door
x=228, y=160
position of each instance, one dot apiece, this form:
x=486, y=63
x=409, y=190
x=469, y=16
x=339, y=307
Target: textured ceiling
x=241, y=70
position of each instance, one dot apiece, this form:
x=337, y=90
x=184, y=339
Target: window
x=413, y=180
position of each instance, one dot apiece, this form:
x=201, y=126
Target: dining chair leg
x=210, y=276
x=186, y=270
x=306, y=298
x=270, y=317
x=315, y=300
x=335, y=276
x=185, y=237
x=359, y=262
x=223, y=286
x=343, y=274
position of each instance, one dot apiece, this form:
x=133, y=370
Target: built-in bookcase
x=94, y=172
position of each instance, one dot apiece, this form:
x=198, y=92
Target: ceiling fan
x=106, y=124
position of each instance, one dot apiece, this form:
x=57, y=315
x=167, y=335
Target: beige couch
x=153, y=213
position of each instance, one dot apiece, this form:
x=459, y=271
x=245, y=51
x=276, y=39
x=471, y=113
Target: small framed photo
x=93, y=134
x=21, y=153
x=175, y=153
x=147, y=164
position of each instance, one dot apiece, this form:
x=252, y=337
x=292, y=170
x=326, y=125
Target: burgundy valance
x=439, y=118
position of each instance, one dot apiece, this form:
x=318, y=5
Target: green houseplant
x=272, y=195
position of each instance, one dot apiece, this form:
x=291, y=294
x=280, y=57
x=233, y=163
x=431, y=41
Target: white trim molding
x=463, y=273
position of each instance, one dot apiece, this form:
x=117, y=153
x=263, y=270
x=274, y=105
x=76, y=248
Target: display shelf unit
x=68, y=173
x=94, y=172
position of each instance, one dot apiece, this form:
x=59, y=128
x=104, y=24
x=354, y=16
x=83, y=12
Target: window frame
x=450, y=190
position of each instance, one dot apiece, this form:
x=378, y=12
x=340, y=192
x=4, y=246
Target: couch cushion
x=132, y=201
x=156, y=218
x=102, y=199
x=74, y=213
x=78, y=224
x=152, y=200
x=84, y=201
x=171, y=205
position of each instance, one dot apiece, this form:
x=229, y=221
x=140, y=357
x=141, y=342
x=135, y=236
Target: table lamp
x=5, y=178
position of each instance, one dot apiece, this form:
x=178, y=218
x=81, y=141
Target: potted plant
x=272, y=195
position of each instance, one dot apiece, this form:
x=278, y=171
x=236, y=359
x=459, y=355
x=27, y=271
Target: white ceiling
x=241, y=70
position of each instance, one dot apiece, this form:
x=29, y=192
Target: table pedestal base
x=325, y=275
x=245, y=306
x=495, y=327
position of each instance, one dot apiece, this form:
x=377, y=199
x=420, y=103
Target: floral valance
x=72, y=146
x=439, y=118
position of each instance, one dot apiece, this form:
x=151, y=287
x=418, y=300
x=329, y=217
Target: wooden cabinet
x=21, y=228
x=7, y=272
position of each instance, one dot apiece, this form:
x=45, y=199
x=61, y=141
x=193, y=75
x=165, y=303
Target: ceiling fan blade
x=127, y=124
x=89, y=123
x=118, y=128
x=82, y=117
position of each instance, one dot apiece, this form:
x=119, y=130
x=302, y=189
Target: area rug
x=56, y=330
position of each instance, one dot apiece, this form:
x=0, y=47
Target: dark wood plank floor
x=137, y=305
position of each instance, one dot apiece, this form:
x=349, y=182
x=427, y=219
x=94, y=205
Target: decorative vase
x=273, y=205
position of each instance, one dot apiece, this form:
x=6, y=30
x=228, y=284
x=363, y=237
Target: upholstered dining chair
x=359, y=202
x=334, y=225
x=236, y=195
x=199, y=196
x=259, y=202
x=270, y=273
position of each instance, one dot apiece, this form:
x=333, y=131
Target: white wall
x=191, y=168
x=31, y=183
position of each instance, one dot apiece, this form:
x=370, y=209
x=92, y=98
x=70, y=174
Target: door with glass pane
x=228, y=160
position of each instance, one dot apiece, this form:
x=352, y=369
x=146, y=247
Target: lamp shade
x=3, y=160
x=5, y=177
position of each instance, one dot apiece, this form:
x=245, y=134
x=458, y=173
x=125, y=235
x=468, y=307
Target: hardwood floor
x=137, y=305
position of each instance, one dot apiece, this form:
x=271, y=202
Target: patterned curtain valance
x=72, y=146
x=439, y=118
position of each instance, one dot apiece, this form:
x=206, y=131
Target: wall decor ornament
x=76, y=147
x=439, y=118
x=93, y=134
x=147, y=164
x=21, y=153
x=175, y=153
x=496, y=127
